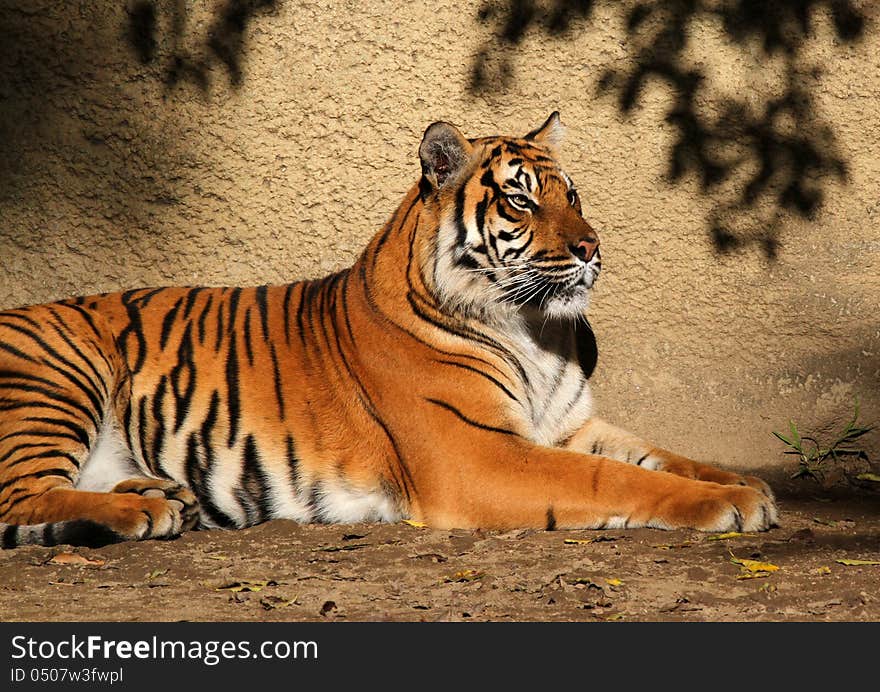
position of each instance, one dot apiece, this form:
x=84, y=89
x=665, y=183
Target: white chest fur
x=557, y=395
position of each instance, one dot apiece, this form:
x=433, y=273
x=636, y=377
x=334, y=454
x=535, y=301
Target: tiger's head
x=511, y=236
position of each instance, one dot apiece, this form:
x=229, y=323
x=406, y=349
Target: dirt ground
x=282, y=571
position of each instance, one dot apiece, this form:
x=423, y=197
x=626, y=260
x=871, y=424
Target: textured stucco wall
x=110, y=179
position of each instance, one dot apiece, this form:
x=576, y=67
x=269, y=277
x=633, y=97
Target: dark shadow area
x=780, y=153
x=157, y=32
x=67, y=103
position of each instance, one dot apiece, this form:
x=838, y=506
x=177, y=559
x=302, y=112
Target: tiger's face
x=511, y=236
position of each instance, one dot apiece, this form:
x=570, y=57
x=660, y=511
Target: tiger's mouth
x=562, y=292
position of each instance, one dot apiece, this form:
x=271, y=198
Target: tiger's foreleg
x=599, y=437
x=505, y=482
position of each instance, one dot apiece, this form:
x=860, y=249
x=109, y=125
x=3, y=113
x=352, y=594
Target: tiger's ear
x=550, y=134
x=444, y=151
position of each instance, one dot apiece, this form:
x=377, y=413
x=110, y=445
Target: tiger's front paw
x=728, y=508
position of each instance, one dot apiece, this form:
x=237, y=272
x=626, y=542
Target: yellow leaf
x=858, y=563
x=824, y=569
x=464, y=575
x=75, y=559
x=415, y=524
x=614, y=582
x=725, y=536
x=869, y=477
x=577, y=541
x=156, y=573
x=753, y=575
x=610, y=617
x=753, y=565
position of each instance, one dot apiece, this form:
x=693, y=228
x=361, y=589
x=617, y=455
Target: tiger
x=443, y=378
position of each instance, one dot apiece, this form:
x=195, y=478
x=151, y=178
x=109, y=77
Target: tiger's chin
x=570, y=304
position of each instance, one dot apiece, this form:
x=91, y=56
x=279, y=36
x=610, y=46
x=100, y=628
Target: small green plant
x=812, y=454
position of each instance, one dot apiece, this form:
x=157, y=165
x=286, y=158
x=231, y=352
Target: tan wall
x=109, y=179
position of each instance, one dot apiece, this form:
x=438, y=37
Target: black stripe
x=42, y=473
x=142, y=433
x=159, y=417
x=191, y=300
x=10, y=536
x=39, y=433
x=255, y=484
x=234, y=298
x=54, y=396
x=461, y=238
x=79, y=432
x=248, y=346
x=48, y=454
x=469, y=421
x=233, y=402
x=134, y=328
x=641, y=459
x=481, y=374
x=15, y=352
x=168, y=323
x=263, y=307
x=220, y=332
x=86, y=315
x=16, y=375
x=276, y=375
x=183, y=378
x=203, y=316
x=43, y=344
x=285, y=307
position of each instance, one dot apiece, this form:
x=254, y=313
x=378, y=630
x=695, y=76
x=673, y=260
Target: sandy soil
x=285, y=571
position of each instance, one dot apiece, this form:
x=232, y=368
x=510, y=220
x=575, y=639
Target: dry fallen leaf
x=214, y=556
x=577, y=541
x=610, y=617
x=272, y=602
x=464, y=575
x=824, y=569
x=75, y=559
x=869, y=477
x=156, y=573
x=753, y=575
x=858, y=563
x=614, y=582
x=415, y=524
x=725, y=536
x=753, y=565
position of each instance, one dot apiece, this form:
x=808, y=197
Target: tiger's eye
x=519, y=201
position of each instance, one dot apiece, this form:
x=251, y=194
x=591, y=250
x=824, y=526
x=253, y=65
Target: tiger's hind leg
x=62, y=381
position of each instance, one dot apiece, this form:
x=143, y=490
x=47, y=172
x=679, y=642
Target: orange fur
x=443, y=377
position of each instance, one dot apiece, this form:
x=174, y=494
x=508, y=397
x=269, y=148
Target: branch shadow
x=780, y=154
x=223, y=44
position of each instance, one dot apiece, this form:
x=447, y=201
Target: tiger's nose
x=585, y=248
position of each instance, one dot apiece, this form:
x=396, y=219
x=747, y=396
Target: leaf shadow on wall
x=756, y=162
x=158, y=33
x=83, y=140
